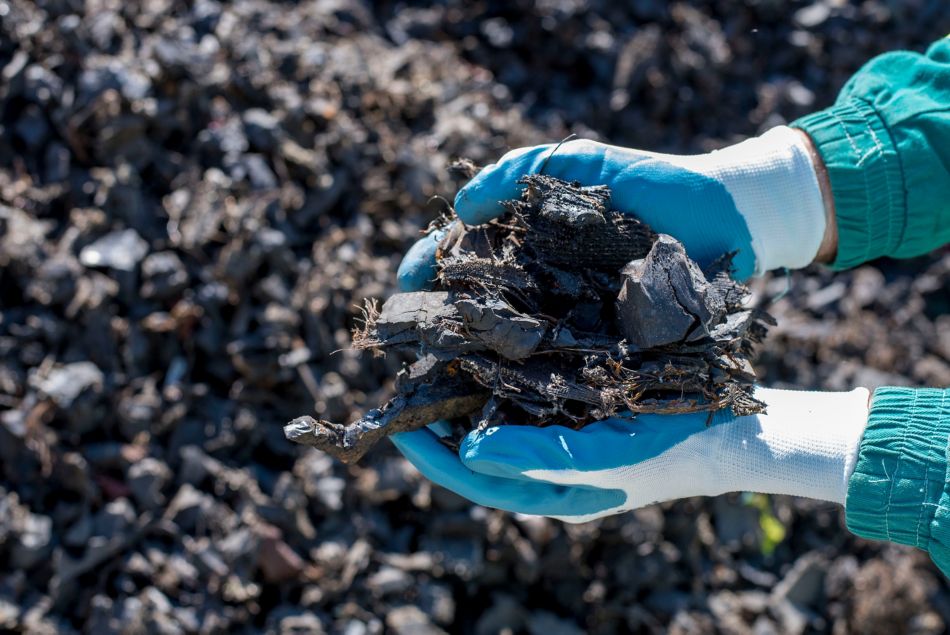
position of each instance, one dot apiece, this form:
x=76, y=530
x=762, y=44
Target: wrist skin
x=829, y=243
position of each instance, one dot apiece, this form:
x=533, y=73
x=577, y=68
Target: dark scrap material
x=665, y=298
x=562, y=311
x=428, y=391
x=277, y=158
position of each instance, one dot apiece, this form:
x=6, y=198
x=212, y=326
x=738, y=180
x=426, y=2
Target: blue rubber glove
x=761, y=199
x=806, y=445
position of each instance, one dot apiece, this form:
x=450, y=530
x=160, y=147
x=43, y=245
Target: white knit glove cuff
x=775, y=187
x=806, y=445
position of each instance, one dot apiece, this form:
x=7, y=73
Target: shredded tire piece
x=563, y=311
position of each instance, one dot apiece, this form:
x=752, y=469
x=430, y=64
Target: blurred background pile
x=194, y=198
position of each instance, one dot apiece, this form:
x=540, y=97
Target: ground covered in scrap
x=194, y=199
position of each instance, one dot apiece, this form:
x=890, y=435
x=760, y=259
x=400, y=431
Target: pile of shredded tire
x=561, y=311
x=195, y=198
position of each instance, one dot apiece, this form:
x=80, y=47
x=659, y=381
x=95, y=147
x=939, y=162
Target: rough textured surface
x=600, y=238
x=284, y=153
x=664, y=298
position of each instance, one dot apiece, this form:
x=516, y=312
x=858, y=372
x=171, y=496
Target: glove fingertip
x=513, y=450
x=481, y=199
x=744, y=264
x=417, y=270
x=488, y=463
x=413, y=441
x=480, y=453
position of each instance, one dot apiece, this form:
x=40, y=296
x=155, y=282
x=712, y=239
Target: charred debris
x=563, y=311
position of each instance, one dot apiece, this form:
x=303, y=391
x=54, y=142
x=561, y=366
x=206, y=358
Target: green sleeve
x=900, y=487
x=886, y=144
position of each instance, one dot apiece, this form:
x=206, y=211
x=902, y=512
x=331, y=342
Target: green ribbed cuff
x=866, y=179
x=899, y=488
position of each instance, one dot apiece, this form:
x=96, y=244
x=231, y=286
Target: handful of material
x=563, y=311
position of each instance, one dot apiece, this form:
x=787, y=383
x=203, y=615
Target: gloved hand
x=806, y=445
x=760, y=198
